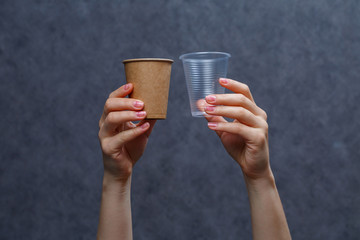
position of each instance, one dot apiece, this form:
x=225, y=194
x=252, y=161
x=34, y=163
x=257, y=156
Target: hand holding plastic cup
x=202, y=73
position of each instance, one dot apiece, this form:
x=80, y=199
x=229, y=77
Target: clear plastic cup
x=202, y=73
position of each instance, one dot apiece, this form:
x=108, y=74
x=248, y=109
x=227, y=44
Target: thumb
x=152, y=124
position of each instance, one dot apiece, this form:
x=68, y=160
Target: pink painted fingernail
x=224, y=80
x=127, y=86
x=145, y=125
x=209, y=108
x=138, y=104
x=212, y=125
x=210, y=98
x=140, y=114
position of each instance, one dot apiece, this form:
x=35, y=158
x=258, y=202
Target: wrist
x=260, y=184
x=116, y=186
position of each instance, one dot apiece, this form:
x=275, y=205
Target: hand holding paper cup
x=151, y=80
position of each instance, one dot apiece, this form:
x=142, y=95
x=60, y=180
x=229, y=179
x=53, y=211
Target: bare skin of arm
x=122, y=143
x=246, y=140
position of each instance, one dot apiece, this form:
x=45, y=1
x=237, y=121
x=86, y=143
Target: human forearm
x=267, y=214
x=122, y=143
x=115, y=212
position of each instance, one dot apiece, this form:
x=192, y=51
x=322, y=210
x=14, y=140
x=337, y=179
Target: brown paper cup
x=151, y=80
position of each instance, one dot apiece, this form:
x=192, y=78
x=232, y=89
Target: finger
x=152, y=124
x=119, y=104
x=237, y=99
x=239, y=113
x=247, y=133
x=236, y=87
x=118, y=140
x=115, y=119
x=122, y=91
x=202, y=104
x=130, y=125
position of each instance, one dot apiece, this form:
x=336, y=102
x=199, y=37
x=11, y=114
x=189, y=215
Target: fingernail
x=224, y=81
x=126, y=86
x=138, y=104
x=141, y=114
x=145, y=125
x=212, y=125
x=210, y=98
x=209, y=108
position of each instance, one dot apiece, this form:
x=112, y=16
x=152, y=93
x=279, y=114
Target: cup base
x=199, y=114
x=158, y=117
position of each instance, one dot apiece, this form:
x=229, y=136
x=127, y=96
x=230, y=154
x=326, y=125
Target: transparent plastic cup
x=202, y=72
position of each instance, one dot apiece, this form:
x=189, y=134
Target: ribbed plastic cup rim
x=222, y=55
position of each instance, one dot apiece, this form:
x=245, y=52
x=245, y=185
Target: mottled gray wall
x=59, y=60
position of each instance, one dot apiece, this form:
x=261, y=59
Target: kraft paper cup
x=151, y=80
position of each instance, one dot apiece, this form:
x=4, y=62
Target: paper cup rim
x=148, y=60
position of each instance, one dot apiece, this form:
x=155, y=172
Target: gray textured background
x=60, y=59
